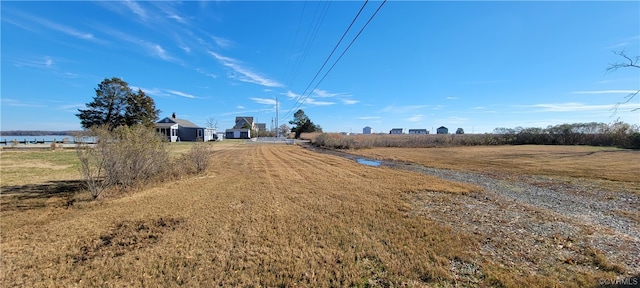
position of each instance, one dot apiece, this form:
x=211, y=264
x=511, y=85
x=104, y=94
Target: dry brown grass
x=616, y=168
x=262, y=215
x=32, y=167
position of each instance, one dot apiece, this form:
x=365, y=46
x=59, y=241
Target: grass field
x=262, y=215
x=612, y=167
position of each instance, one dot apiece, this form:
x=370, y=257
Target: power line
x=335, y=47
x=309, y=38
x=295, y=39
x=302, y=97
x=328, y=57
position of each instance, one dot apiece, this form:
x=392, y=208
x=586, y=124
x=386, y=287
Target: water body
x=368, y=162
x=47, y=139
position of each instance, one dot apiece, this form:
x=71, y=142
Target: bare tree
x=212, y=123
x=628, y=62
x=284, y=130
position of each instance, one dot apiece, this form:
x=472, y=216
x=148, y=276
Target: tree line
x=616, y=134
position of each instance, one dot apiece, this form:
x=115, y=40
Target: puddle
x=368, y=162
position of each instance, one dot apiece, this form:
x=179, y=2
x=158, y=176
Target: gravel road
x=535, y=222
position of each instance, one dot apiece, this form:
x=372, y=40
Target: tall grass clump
x=129, y=156
x=197, y=158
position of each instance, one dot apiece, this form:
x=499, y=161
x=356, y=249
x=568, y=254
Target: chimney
x=173, y=115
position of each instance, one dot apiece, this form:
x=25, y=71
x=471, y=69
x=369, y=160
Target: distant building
x=366, y=130
x=244, y=122
x=261, y=126
x=242, y=128
x=397, y=131
x=418, y=131
x=443, y=130
x=175, y=129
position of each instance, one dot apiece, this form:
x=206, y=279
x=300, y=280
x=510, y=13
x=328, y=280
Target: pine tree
x=140, y=109
x=115, y=105
x=303, y=124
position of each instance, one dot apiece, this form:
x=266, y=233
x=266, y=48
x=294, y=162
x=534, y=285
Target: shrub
x=122, y=157
x=198, y=158
x=127, y=157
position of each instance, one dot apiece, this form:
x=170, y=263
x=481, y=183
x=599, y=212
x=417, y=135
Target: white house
x=418, y=131
x=242, y=129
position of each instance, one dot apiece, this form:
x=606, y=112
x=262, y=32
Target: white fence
x=270, y=140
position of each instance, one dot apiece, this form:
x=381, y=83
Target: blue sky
x=418, y=64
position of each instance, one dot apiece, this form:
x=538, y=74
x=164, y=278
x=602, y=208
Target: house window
x=200, y=133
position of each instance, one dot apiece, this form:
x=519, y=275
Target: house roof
x=442, y=127
x=165, y=125
x=182, y=122
x=246, y=118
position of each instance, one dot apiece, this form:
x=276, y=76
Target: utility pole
x=277, y=124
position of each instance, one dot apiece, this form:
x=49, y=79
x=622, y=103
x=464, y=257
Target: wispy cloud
x=313, y=102
x=618, y=45
x=150, y=47
x=577, y=107
x=291, y=94
x=240, y=107
x=181, y=44
x=181, y=94
x=136, y=9
x=71, y=31
x=244, y=74
x=344, y=97
x=616, y=80
x=604, y=92
x=202, y=71
x=41, y=62
x=48, y=24
x=158, y=92
x=265, y=101
x=325, y=93
x=222, y=42
x=160, y=52
x=452, y=98
x=415, y=118
x=71, y=107
x=18, y=103
x=307, y=100
x=177, y=18
x=21, y=25
x=150, y=91
x=170, y=12
x=69, y=75
x=368, y=117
